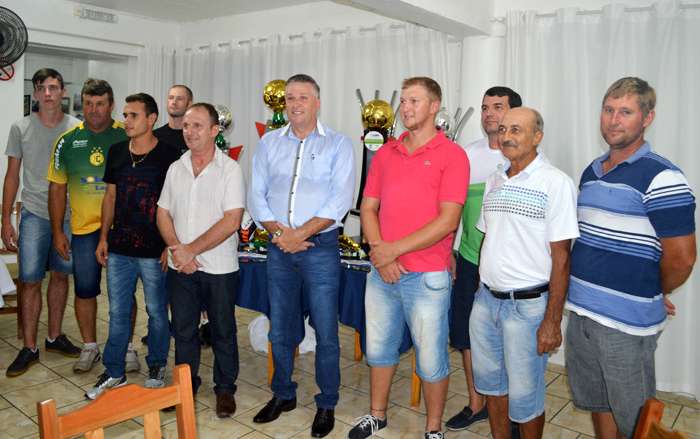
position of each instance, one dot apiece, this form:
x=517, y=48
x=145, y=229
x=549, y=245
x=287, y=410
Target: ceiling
x=180, y=11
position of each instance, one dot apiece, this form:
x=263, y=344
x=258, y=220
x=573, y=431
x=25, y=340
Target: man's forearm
x=558, y=280
x=431, y=233
x=314, y=226
x=219, y=232
x=677, y=261
x=166, y=227
x=270, y=226
x=369, y=219
x=57, y=206
x=9, y=194
x=107, y=213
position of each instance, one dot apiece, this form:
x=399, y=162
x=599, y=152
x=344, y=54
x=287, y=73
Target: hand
x=391, y=273
x=670, y=307
x=190, y=268
x=382, y=253
x=453, y=266
x=163, y=261
x=182, y=255
x=290, y=241
x=9, y=236
x=548, y=336
x=101, y=252
x=61, y=244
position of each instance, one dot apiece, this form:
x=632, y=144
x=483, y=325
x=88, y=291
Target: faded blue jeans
x=123, y=272
x=318, y=267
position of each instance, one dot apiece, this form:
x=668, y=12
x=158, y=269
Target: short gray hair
x=307, y=79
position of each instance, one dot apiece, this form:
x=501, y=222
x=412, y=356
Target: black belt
x=313, y=236
x=530, y=293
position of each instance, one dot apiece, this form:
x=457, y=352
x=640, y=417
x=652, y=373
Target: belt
x=530, y=293
x=313, y=236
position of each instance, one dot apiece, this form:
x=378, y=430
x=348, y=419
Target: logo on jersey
x=57, y=153
x=97, y=158
x=91, y=179
x=80, y=143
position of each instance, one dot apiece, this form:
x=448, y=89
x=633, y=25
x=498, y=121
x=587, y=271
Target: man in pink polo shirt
x=411, y=207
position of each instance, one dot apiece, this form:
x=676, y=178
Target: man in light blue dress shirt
x=302, y=185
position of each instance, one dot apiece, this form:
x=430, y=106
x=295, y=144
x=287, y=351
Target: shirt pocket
x=321, y=169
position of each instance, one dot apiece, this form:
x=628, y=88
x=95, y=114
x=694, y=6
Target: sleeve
x=488, y=186
x=670, y=204
x=454, y=183
x=165, y=200
x=373, y=184
x=561, y=211
x=14, y=142
x=234, y=192
x=57, y=167
x=342, y=186
x=259, y=184
x=112, y=157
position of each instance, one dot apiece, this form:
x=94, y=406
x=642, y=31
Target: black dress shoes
x=323, y=423
x=274, y=409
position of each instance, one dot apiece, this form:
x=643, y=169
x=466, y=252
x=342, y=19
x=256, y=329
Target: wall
x=290, y=20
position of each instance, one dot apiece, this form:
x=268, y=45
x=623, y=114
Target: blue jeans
x=318, y=267
x=423, y=301
x=218, y=292
x=504, y=352
x=88, y=273
x=123, y=272
x=36, y=246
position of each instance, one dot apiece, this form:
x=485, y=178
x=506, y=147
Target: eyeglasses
x=52, y=88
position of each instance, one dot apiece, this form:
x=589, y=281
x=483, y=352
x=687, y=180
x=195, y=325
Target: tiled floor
x=54, y=378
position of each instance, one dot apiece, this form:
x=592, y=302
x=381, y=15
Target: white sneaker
x=132, y=361
x=104, y=383
x=88, y=357
x=156, y=376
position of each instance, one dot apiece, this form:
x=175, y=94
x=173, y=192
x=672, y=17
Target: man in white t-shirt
x=29, y=148
x=485, y=158
x=528, y=219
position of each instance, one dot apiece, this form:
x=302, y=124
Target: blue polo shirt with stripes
x=621, y=215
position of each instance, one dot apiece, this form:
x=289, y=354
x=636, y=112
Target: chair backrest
x=123, y=403
x=650, y=427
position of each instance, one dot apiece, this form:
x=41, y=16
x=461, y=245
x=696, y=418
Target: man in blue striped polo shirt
x=637, y=245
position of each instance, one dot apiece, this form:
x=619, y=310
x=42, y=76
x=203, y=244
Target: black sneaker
x=205, y=335
x=62, y=346
x=24, y=359
x=366, y=426
x=465, y=418
x=144, y=339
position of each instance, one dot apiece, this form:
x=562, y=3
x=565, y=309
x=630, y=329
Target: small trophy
x=225, y=122
x=444, y=121
x=273, y=95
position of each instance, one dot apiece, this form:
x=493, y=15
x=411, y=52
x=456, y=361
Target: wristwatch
x=277, y=233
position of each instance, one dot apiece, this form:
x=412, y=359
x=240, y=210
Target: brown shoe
x=225, y=405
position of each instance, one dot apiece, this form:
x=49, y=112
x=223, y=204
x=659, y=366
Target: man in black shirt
x=179, y=100
x=130, y=244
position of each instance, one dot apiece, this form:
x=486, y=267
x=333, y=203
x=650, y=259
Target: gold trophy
x=273, y=95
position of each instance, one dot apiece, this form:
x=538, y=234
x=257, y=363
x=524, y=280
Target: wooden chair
x=14, y=297
x=123, y=403
x=650, y=427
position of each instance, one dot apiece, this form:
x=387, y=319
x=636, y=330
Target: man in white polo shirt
x=199, y=212
x=528, y=219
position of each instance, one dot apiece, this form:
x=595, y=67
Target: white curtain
x=235, y=73
x=563, y=64
x=155, y=74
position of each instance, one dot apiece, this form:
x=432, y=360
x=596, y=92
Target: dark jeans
x=218, y=292
x=319, y=268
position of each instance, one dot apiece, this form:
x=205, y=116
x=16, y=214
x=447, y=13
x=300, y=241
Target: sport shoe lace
x=85, y=354
x=154, y=372
x=367, y=422
x=102, y=379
